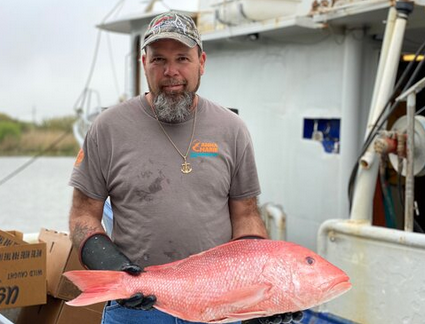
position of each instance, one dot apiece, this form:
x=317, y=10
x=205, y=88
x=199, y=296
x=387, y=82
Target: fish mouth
x=336, y=287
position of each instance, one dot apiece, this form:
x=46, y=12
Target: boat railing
x=410, y=96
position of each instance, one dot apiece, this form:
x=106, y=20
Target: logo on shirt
x=80, y=158
x=205, y=149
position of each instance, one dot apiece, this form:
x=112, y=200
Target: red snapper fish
x=235, y=281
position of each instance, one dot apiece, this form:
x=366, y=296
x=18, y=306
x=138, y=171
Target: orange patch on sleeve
x=80, y=158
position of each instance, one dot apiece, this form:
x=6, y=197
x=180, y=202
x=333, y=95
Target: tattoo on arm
x=85, y=218
x=81, y=232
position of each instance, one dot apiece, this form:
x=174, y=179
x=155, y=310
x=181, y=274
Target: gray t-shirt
x=160, y=214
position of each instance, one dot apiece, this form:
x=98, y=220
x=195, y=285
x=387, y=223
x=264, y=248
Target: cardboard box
x=61, y=257
x=17, y=235
x=57, y=312
x=11, y=238
x=22, y=271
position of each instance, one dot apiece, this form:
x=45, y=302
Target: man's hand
x=138, y=301
x=132, y=269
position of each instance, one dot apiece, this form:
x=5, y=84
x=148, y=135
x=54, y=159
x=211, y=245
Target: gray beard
x=173, y=108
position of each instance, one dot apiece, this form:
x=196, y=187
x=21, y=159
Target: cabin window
x=325, y=131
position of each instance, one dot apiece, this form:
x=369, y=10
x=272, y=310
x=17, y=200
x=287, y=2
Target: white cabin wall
x=275, y=86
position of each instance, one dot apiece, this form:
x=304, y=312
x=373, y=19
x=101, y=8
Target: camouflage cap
x=175, y=26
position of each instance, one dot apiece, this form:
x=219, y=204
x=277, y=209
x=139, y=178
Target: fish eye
x=310, y=260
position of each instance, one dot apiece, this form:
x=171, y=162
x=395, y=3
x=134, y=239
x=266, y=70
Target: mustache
x=173, y=82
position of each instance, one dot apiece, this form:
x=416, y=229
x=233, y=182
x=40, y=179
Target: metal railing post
x=410, y=96
x=410, y=177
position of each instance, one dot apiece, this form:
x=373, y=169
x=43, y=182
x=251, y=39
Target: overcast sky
x=46, y=50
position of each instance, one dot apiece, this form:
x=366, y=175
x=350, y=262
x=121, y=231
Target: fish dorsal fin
x=176, y=263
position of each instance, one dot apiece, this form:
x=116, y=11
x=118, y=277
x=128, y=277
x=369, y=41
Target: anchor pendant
x=186, y=168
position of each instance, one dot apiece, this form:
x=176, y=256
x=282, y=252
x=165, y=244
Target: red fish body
x=235, y=281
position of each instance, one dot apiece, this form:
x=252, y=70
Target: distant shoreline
x=53, y=137
x=41, y=142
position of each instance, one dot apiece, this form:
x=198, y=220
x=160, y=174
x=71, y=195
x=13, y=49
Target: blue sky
x=46, y=50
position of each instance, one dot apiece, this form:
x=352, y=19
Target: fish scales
x=235, y=281
x=203, y=287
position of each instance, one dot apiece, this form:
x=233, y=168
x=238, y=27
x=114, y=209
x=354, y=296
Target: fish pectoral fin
x=246, y=297
x=242, y=300
x=235, y=317
x=245, y=316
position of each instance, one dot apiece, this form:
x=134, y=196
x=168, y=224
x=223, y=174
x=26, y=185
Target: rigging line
x=83, y=95
x=33, y=159
x=118, y=4
x=114, y=71
x=93, y=64
x=420, y=110
x=119, y=7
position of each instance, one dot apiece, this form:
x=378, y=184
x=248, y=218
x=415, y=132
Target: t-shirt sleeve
x=87, y=174
x=245, y=183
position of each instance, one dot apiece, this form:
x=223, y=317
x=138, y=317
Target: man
x=179, y=170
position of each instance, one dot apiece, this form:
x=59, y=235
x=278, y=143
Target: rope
x=83, y=94
x=114, y=72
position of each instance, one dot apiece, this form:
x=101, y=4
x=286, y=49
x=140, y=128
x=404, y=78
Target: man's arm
x=85, y=218
x=246, y=219
x=97, y=251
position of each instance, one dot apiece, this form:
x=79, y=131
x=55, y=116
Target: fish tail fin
x=97, y=286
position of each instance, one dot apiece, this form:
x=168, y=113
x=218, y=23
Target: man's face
x=172, y=69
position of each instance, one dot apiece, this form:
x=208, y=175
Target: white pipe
x=390, y=72
x=389, y=29
x=349, y=116
x=367, y=160
x=366, y=178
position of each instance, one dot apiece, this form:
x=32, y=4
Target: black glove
x=295, y=317
x=138, y=301
x=98, y=252
x=287, y=318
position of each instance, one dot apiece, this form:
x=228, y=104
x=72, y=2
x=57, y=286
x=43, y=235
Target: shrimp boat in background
x=332, y=94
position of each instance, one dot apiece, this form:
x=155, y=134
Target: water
x=38, y=197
